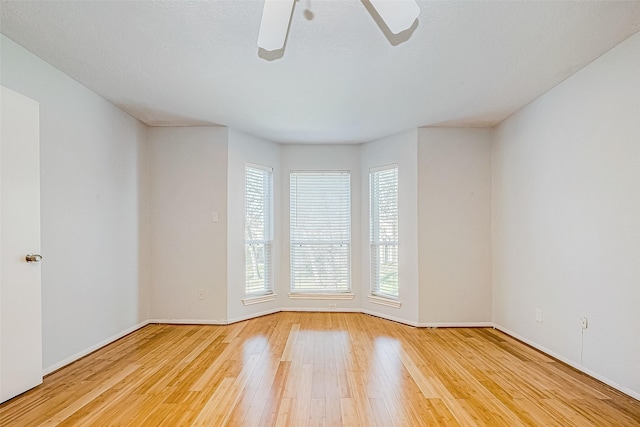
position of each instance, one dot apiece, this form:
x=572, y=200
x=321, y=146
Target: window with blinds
x=320, y=226
x=383, y=220
x=258, y=230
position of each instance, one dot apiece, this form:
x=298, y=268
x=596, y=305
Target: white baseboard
x=322, y=310
x=569, y=362
x=189, y=321
x=456, y=325
x=85, y=352
x=253, y=315
x=387, y=317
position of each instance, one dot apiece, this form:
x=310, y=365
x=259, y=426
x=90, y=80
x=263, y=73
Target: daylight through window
x=258, y=230
x=383, y=220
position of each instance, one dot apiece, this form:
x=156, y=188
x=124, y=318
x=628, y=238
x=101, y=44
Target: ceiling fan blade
x=399, y=15
x=276, y=15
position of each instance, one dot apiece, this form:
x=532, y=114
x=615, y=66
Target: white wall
x=188, y=183
x=245, y=148
x=454, y=191
x=90, y=198
x=403, y=150
x=567, y=219
x=320, y=157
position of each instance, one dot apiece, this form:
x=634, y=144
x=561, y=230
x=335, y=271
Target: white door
x=20, y=305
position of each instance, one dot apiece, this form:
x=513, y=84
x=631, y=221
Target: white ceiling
x=339, y=79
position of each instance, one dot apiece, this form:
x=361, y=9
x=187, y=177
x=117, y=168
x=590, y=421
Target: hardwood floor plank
x=317, y=413
x=77, y=404
x=287, y=353
x=349, y=412
x=318, y=369
x=302, y=408
x=284, y=411
x=276, y=391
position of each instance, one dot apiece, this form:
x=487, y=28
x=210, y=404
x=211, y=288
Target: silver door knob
x=33, y=258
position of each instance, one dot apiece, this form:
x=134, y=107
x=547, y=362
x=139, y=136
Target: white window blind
x=258, y=230
x=320, y=225
x=383, y=220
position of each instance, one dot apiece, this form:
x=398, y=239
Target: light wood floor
x=298, y=369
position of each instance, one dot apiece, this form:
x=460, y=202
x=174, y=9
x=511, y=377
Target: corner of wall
x=144, y=235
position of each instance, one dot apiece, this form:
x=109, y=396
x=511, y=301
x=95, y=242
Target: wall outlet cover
x=584, y=322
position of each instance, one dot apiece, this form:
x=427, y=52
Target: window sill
x=389, y=302
x=321, y=296
x=258, y=299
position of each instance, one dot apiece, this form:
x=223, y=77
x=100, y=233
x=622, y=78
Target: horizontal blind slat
x=320, y=231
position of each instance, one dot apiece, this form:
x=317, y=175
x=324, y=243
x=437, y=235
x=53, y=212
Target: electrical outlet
x=333, y=305
x=201, y=294
x=539, y=315
x=584, y=322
